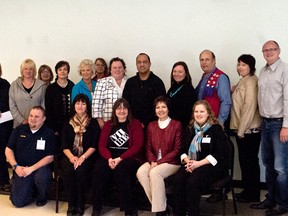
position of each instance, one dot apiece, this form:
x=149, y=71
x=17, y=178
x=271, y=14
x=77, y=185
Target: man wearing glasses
x=273, y=107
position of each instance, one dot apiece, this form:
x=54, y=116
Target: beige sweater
x=244, y=112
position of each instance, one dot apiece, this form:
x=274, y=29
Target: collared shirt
x=106, y=93
x=273, y=91
x=223, y=91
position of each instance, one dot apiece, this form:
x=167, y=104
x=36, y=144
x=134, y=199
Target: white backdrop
x=168, y=30
x=50, y=30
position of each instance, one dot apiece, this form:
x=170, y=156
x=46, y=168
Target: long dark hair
x=187, y=78
x=119, y=102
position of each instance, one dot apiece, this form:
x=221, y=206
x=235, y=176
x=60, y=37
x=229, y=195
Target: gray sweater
x=21, y=102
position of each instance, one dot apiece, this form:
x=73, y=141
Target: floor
x=7, y=209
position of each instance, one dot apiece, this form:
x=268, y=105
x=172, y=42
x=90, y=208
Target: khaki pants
x=152, y=180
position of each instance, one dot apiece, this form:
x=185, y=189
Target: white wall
x=168, y=30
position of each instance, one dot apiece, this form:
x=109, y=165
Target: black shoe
x=40, y=203
x=71, y=211
x=131, y=213
x=79, y=211
x=276, y=211
x=7, y=187
x=266, y=204
x=96, y=213
x=163, y=213
x=215, y=197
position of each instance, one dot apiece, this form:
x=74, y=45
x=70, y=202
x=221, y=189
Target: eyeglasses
x=120, y=108
x=99, y=65
x=270, y=50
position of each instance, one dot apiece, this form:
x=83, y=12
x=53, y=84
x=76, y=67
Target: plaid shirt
x=106, y=93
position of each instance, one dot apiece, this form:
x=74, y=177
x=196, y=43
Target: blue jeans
x=26, y=189
x=275, y=160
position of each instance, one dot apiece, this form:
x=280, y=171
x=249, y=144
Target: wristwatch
x=14, y=166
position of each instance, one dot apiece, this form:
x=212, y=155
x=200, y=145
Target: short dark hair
x=148, y=57
x=41, y=109
x=83, y=98
x=115, y=60
x=61, y=64
x=187, y=78
x=250, y=61
x=163, y=99
x=114, y=119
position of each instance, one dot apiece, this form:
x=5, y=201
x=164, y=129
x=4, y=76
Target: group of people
x=110, y=129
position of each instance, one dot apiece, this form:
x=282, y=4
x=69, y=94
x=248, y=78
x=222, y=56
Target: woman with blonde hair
x=26, y=92
x=203, y=157
x=86, y=85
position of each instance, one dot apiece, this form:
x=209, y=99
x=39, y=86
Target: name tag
x=40, y=145
x=206, y=140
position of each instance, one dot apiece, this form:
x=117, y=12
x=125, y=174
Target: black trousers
x=5, y=131
x=76, y=182
x=248, y=149
x=188, y=188
x=123, y=176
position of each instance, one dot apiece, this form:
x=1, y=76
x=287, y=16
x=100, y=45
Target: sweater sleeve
x=103, y=150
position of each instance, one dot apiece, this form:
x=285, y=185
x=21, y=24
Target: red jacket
x=168, y=139
x=136, y=141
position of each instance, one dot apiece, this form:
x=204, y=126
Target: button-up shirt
x=273, y=91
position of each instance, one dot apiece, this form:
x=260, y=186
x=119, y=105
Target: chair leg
x=234, y=200
x=57, y=193
x=223, y=202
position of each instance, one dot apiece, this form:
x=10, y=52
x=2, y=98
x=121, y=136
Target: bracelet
x=84, y=156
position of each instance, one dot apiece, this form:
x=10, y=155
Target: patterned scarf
x=79, y=125
x=195, y=145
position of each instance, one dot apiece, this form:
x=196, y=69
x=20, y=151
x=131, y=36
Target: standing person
x=214, y=86
x=273, y=107
x=101, y=69
x=5, y=131
x=45, y=74
x=87, y=84
x=203, y=160
x=108, y=90
x=26, y=92
x=181, y=93
x=58, y=99
x=246, y=122
x=79, y=141
x=162, y=152
x=120, y=148
x=29, y=151
x=142, y=89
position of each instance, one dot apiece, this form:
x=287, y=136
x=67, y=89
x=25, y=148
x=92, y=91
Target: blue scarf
x=195, y=145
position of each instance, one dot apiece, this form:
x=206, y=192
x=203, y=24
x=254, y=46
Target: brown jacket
x=167, y=139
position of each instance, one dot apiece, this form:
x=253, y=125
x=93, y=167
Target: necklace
x=177, y=90
x=62, y=85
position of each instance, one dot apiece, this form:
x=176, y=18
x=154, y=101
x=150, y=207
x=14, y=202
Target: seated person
x=120, y=148
x=203, y=159
x=80, y=136
x=29, y=151
x=162, y=151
